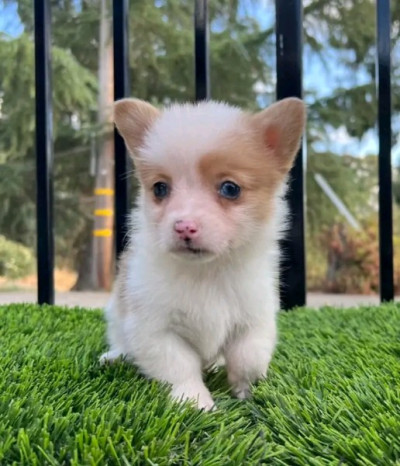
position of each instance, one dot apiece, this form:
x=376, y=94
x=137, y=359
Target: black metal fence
x=289, y=26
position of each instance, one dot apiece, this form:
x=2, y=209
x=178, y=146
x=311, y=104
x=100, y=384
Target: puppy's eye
x=161, y=190
x=229, y=190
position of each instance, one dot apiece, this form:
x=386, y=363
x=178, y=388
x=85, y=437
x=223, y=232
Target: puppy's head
x=209, y=173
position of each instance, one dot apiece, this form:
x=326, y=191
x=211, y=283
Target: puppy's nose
x=186, y=229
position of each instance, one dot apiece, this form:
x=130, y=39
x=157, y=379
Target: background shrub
x=16, y=260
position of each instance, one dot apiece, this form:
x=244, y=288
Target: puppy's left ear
x=134, y=118
x=281, y=126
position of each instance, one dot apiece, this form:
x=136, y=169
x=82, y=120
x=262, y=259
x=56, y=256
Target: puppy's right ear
x=133, y=118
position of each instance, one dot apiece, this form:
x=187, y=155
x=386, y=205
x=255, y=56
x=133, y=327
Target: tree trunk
x=96, y=270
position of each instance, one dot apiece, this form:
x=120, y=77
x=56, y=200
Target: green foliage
x=16, y=260
x=347, y=29
x=352, y=108
x=316, y=264
x=331, y=397
x=353, y=179
x=161, y=59
x=74, y=95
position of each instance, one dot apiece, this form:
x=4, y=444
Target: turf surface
x=332, y=397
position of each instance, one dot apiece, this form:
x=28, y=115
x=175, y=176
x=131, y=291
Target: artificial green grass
x=332, y=397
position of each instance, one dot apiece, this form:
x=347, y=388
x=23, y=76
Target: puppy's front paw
x=194, y=392
x=110, y=357
x=241, y=390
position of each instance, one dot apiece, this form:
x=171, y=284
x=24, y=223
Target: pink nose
x=186, y=229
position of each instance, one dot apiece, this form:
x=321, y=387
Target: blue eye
x=160, y=190
x=229, y=190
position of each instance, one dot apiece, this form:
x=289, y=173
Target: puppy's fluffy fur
x=198, y=281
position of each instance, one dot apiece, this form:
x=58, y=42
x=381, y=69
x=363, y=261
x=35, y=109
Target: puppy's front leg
x=167, y=357
x=247, y=358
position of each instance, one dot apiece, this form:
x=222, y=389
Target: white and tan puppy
x=198, y=281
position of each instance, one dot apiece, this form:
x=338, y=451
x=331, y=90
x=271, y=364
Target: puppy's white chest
x=204, y=316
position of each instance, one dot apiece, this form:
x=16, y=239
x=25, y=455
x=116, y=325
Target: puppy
x=198, y=280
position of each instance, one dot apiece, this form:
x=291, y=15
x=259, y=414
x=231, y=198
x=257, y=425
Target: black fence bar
x=44, y=153
x=121, y=89
x=289, y=41
x=385, y=144
x=202, y=61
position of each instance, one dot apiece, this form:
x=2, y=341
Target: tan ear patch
x=133, y=118
x=281, y=126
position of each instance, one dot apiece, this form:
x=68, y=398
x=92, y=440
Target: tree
x=347, y=29
x=74, y=92
x=96, y=267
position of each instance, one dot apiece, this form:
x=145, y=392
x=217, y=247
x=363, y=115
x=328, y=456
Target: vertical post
x=202, y=61
x=385, y=143
x=289, y=38
x=44, y=153
x=121, y=89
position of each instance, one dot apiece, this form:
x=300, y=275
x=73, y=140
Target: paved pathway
x=99, y=299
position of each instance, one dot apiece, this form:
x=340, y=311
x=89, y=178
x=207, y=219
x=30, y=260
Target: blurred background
x=339, y=88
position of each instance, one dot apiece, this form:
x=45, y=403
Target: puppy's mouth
x=192, y=250
x=196, y=251
x=188, y=249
